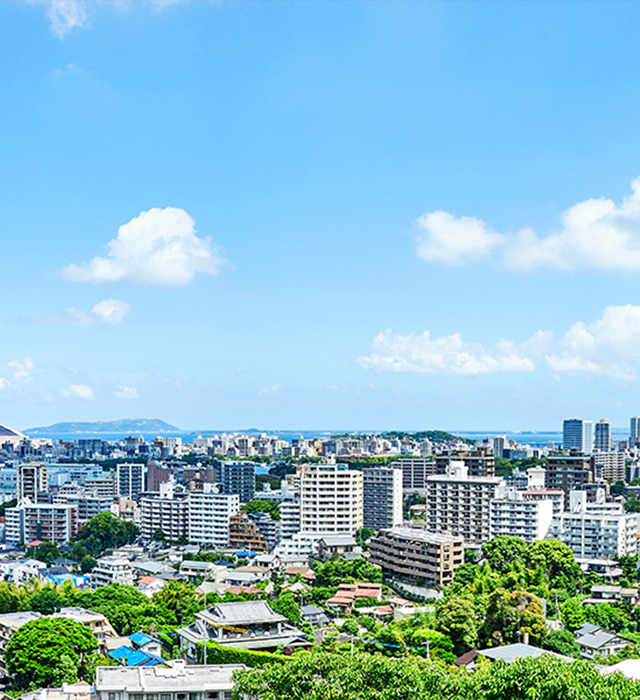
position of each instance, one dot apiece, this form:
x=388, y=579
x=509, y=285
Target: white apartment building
x=512, y=514
x=168, y=512
x=597, y=530
x=112, y=570
x=129, y=479
x=609, y=466
x=289, y=517
x=31, y=479
x=382, y=497
x=209, y=514
x=301, y=544
x=28, y=522
x=459, y=504
x=330, y=498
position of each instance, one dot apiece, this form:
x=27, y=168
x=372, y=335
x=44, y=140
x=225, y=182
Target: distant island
x=124, y=425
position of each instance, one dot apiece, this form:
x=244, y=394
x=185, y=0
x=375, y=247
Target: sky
x=320, y=215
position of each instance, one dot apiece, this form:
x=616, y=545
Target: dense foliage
x=50, y=651
x=102, y=532
x=322, y=676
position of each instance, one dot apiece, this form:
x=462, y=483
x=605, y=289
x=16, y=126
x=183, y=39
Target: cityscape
x=378, y=260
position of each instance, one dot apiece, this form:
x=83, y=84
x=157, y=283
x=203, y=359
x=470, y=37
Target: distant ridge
x=124, y=425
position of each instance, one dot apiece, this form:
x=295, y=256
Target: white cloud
x=126, y=392
x=594, y=234
x=274, y=390
x=4, y=383
x=111, y=311
x=449, y=354
x=22, y=369
x=158, y=247
x=66, y=15
x=78, y=391
x=446, y=239
x=610, y=347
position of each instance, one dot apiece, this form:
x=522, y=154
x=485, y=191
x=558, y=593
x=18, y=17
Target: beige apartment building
x=413, y=553
x=331, y=498
x=459, y=504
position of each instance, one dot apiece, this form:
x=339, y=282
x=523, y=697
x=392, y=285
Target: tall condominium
x=330, y=498
x=129, y=479
x=209, y=516
x=634, y=431
x=167, y=511
x=569, y=472
x=415, y=471
x=577, y=435
x=31, y=479
x=603, y=436
x=239, y=478
x=458, y=504
x=382, y=504
x=478, y=462
x=499, y=442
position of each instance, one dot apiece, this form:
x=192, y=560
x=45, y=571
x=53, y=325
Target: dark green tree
x=503, y=551
x=562, y=642
x=49, y=651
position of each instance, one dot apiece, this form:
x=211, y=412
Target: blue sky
x=323, y=215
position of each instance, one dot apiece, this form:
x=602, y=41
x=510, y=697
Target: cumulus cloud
x=111, y=311
x=593, y=234
x=4, y=383
x=66, y=15
x=609, y=346
x=159, y=247
x=449, y=354
x=446, y=239
x=78, y=391
x=22, y=369
x=126, y=392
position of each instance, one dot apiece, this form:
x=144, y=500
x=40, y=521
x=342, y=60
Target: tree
x=45, y=551
x=562, y=642
x=104, y=531
x=87, y=563
x=572, y=613
x=511, y=614
x=49, y=651
x=10, y=597
x=159, y=536
x=286, y=605
x=617, y=488
x=555, y=561
x=46, y=601
x=502, y=551
x=456, y=618
x=260, y=505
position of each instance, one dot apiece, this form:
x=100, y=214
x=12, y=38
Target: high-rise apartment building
x=415, y=471
x=634, y=431
x=29, y=522
x=609, y=466
x=382, y=497
x=168, y=511
x=512, y=513
x=129, y=479
x=499, y=442
x=239, y=478
x=209, y=516
x=577, y=435
x=569, y=472
x=31, y=479
x=602, y=440
x=331, y=498
x=478, y=462
x=458, y=504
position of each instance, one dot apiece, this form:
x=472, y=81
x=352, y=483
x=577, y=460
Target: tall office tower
x=129, y=479
x=31, y=479
x=382, y=504
x=498, y=445
x=330, y=498
x=603, y=436
x=634, y=431
x=240, y=478
x=576, y=435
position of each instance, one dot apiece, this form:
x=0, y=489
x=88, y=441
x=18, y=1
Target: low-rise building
x=411, y=553
x=595, y=641
x=177, y=681
x=112, y=570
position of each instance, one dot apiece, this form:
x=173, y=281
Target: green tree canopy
x=456, y=617
x=104, y=531
x=502, y=551
x=49, y=651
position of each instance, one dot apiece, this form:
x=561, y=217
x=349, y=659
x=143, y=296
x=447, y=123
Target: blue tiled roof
x=141, y=639
x=130, y=657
